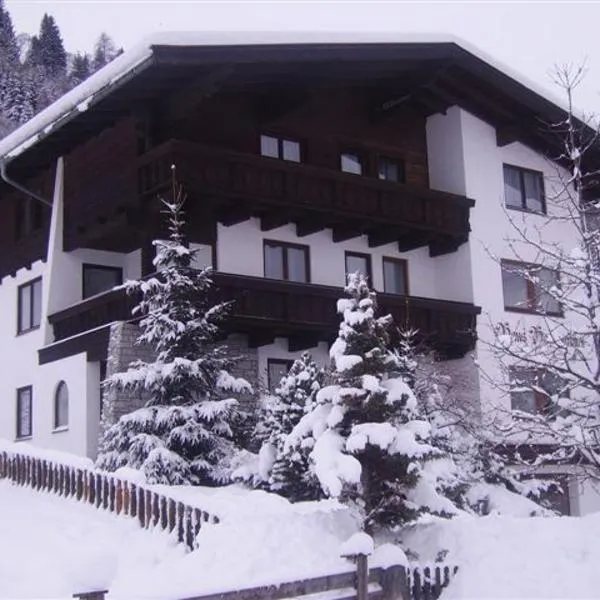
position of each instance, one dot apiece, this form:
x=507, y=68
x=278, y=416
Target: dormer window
x=282, y=148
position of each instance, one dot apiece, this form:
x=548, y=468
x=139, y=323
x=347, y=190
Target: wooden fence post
x=362, y=577
x=394, y=583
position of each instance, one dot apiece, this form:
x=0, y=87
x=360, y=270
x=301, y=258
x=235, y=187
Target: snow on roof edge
x=81, y=97
x=76, y=100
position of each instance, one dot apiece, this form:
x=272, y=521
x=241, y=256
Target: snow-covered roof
x=136, y=59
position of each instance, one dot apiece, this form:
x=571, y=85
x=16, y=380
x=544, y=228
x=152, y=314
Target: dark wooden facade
x=216, y=102
x=265, y=309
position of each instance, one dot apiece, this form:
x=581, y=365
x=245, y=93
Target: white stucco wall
x=492, y=229
x=20, y=368
x=240, y=251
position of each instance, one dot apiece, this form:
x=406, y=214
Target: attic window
x=281, y=148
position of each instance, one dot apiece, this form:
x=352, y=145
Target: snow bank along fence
x=392, y=583
x=103, y=490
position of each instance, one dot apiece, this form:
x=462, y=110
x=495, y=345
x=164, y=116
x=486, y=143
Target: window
x=286, y=261
x=276, y=147
x=276, y=369
x=395, y=276
x=391, y=169
x=355, y=261
x=98, y=279
x=530, y=288
x=29, y=301
x=351, y=162
x=24, y=429
x=524, y=189
x=556, y=496
x=61, y=406
x=536, y=391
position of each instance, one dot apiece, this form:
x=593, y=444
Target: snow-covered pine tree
x=105, y=50
x=289, y=473
x=9, y=50
x=371, y=446
x=80, y=68
x=183, y=434
x=51, y=54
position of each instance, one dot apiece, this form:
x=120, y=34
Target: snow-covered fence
x=383, y=583
x=426, y=582
x=73, y=477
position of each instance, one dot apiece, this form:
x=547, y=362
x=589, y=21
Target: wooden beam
x=381, y=237
x=302, y=341
x=507, y=134
x=413, y=240
x=444, y=245
x=309, y=226
x=232, y=215
x=262, y=337
x=273, y=219
x=341, y=233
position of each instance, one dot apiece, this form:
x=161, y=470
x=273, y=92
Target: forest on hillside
x=35, y=70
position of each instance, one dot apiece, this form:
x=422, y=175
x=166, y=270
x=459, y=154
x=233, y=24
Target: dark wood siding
x=21, y=251
x=100, y=181
x=326, y=122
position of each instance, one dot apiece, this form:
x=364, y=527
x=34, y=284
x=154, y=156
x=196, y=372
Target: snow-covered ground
x=502, y=557
x=51, y=547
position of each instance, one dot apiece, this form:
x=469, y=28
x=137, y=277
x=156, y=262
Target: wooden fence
x=105, y=491
x=427, y=582
x=392, y=583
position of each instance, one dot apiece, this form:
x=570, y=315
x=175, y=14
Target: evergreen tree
x=183, y=434
x=371, y=446
x=34, y=53
x=80, y=69
x=9, y=50
x=47, y=49
x=105, y=50
x=290, y=475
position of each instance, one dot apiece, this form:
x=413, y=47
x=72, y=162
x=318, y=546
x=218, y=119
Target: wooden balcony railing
x=240, y=185
x=304, y=313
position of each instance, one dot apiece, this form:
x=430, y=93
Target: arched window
x=61, y=405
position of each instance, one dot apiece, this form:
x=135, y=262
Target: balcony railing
x=246, y=184
x=304, y=313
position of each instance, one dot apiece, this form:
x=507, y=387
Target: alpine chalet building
x=301, y=162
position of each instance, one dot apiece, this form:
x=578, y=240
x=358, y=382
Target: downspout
x=18, y=186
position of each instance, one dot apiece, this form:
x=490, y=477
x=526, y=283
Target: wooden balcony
x=238, y=186
x=265, y=309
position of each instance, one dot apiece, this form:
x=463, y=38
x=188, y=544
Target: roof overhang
x=163, y=63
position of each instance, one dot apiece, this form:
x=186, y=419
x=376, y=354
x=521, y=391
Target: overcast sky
x=530, y=37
